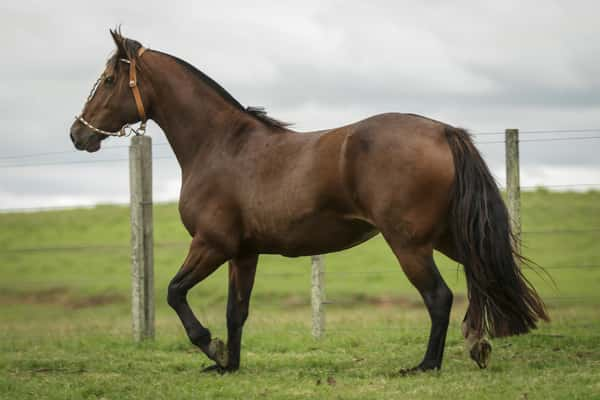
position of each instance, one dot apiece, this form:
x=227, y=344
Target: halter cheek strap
x=134, y=87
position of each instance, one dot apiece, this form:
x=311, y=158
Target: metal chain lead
x=125, y=131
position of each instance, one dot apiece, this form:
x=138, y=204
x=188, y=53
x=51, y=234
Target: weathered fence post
x=513, y=186
x=318, y=296
x=142, y=257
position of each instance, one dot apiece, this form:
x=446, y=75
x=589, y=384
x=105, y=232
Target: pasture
x=65, y=317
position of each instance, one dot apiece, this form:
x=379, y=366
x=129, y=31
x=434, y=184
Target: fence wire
x=104, y=247
x=160, y=144
x=33, y=160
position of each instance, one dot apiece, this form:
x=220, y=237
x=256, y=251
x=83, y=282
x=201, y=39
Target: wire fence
x=40, y=159
x=126, y=246
x=27, y=156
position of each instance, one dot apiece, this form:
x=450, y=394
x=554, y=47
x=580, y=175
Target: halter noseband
x=136, y=95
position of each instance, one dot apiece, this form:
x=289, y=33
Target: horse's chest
x=193, y=203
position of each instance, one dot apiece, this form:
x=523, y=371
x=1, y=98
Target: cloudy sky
x=485, y=66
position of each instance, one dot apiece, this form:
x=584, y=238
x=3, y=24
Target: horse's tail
x=502, y=302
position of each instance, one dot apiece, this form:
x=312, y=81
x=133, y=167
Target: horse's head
x=114, y=101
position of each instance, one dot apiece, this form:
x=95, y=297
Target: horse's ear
x=119, y=42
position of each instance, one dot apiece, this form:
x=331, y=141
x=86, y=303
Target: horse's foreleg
x=201, y=261
x=241, y=280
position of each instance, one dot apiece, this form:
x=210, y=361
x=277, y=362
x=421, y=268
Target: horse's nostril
x=72, y=138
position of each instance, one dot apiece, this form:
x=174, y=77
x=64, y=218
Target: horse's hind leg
x=201, y=261
x=419, y=266
x=479, y=348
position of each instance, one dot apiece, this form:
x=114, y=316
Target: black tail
x=501, y=300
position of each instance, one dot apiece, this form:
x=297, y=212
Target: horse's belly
x=317, y=235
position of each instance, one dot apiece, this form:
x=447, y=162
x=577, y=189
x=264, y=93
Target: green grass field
x=65, y=321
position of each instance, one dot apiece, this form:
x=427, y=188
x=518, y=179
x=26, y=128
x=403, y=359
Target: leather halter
x=133, y=84
x=134, y=87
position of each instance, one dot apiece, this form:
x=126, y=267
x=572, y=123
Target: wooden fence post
x=318, y=296
x=513, y=186
x=142, y=257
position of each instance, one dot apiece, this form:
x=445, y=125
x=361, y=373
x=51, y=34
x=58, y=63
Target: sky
x=484, y=66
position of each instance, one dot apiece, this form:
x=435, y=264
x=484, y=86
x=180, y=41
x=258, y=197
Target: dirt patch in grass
x=60, y=296
x=407, y=302
x=361, y=299
x=402, y=301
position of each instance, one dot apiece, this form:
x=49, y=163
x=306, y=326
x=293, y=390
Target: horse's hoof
x=409, y=371
x=217, y=351
x=213, y=368
x=481, y=352
x=423, y=367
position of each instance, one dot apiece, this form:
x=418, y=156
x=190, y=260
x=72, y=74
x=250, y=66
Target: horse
x=251, y=185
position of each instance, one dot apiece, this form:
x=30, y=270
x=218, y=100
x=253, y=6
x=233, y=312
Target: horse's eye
x=109, y=79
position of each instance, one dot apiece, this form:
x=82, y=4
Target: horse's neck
x=194, y=118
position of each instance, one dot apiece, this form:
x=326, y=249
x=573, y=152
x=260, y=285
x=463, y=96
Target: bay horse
x=251, y=185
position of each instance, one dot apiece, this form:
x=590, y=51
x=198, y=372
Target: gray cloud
x=485, y=66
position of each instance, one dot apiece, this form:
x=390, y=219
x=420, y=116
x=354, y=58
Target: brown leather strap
x=134, y=87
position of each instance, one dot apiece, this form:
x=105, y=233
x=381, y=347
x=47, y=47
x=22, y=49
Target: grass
x=65, y=322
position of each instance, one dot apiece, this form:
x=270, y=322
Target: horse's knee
x=175, y=295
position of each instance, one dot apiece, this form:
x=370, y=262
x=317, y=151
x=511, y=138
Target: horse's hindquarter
x=296, y=202
x=329, y=191
x=400, y=169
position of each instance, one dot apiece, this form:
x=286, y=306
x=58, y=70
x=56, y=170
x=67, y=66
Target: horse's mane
x=128, y=48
